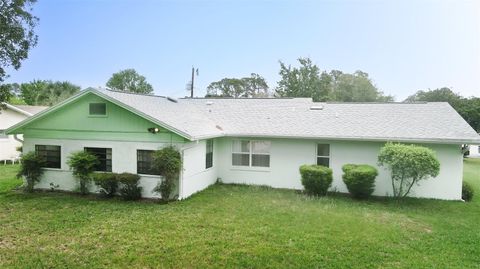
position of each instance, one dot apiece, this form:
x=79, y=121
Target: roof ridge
x=132, y=93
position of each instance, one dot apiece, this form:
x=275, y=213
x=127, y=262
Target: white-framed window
x=253, y=153
x=323, y=154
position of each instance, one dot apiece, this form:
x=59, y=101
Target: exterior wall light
x=153, y=130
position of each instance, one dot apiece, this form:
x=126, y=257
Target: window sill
x=147, y=175
x=97, y=116
x=53, y=169
x=250, y=168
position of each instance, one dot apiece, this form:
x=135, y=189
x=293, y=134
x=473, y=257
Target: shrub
x=129, y=188
x=360, y=179
x=168, y=163
x=107, y=182
x=408, y=164
x=83, y=164
x=316, y=179
x=467, y=192
x=31, y=169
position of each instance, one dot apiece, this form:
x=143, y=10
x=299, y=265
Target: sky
x=404, y=46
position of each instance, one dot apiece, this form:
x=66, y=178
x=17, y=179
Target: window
x=251, y=153
x=51, y=154
x=209, y=154
x=98, y=109
x=323, y=154
x=104, y=156
x=144, y=162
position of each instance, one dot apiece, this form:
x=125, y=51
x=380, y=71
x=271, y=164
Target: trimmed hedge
x=467, y=192
x=129, y=188
x=360, y=179
x=316, y=179
x=107, y=182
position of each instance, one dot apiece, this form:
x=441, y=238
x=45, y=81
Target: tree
x=309, y=81
x=356, y=87
x=129, y=80
x=47, y=92
x=17, y=36
x=247, y=87
x=468, y=108
x=409, y=164
x=304, y=81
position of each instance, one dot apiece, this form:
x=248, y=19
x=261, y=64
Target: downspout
x=18, y=139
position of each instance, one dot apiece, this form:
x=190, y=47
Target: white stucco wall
x=286, y=156
x=8, y=145
x=124, y=159
x=195, y=176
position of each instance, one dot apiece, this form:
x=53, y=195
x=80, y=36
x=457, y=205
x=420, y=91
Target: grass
x=237, y=226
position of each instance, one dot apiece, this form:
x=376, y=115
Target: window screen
x=323, y=154
x=209, y=154
x=98, y=109
x=51, y=154
x=104, y=156
x=144, y=162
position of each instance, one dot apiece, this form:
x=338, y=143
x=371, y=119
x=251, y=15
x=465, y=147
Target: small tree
x=31, y=169
x=83, y=165
x=408, y=164
x=167, y=162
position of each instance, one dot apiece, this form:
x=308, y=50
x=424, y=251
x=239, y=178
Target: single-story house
x=9, y=116
x=474, y=151
x=245, y=141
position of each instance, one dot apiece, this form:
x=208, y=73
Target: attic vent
x=319, y=107
x=209, y=103
x=172, y=99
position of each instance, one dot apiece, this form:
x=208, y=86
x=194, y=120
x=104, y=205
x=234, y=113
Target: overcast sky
x=404, y=45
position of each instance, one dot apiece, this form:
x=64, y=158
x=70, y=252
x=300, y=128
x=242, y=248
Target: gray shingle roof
x=203, y=118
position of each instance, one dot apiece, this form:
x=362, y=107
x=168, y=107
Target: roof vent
x=172, y=99
x=209, y=103
x=318, y=107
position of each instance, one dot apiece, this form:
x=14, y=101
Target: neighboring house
x=474, y=151
x=245, y=141
x=9, y=116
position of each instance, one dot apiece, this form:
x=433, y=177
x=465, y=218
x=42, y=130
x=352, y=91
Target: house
x=474, y=151
x=9, y=116
x=245, y=141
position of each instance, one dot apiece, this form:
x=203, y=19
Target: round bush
x=467, y=192
x=129, y=188
x=360, y=179
x=316, y=179
x=107, y=182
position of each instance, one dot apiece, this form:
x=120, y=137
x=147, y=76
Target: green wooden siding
x=74, y=122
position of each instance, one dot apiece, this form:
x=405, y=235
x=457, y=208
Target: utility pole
x=193, y=79
x=192, y=82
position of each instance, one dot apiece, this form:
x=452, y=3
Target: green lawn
x=237, y=226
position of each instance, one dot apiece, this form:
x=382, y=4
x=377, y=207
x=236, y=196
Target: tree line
x=306, y=80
